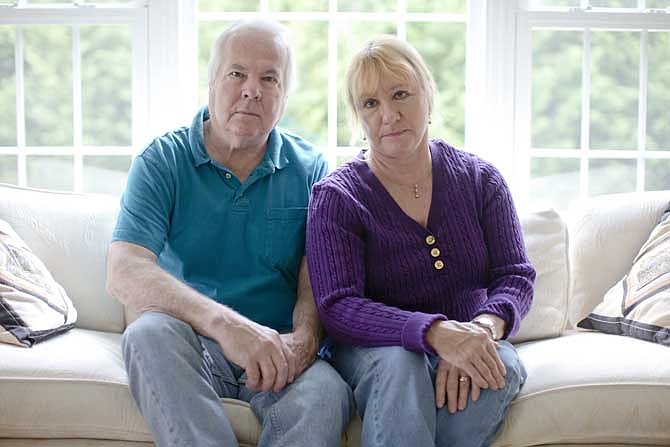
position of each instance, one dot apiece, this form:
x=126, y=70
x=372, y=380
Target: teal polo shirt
x=237, y=243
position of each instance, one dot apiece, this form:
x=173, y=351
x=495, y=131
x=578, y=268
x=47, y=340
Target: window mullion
x=22, y=174
x=642, y=110
x=402, y=21
x=331, y=151
x=77, y=109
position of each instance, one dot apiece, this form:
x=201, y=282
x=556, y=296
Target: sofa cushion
x=70, y=233
x=545, y=237
x=33, y=307
x=590, y=387
x=605, y=235
x=75, y=386
x=639, y=304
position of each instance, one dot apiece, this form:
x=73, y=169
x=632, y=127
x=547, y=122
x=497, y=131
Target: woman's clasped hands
x=469, y=362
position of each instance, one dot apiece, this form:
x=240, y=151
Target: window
x=70, y=93
x=327, y=33
x=594, y=115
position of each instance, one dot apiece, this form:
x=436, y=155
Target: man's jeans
x=395, y=394
x=177, y=377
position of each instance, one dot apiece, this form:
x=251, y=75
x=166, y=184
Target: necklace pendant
x=416, y=191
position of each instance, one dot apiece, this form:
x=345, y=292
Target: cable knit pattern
x=371, y=268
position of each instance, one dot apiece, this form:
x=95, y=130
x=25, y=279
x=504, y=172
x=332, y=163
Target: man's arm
x=307, y=330
x=136, y=280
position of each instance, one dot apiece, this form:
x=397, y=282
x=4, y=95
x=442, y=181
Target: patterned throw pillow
x=33, y=306
x=639, y=304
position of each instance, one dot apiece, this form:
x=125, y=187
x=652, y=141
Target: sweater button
x=430, y=239
x=435, y=252
x=439, y=265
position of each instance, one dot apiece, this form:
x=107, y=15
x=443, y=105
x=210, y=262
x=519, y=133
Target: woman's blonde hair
x=381, y=57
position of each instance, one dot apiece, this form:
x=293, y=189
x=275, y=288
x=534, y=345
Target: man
x=209, y=248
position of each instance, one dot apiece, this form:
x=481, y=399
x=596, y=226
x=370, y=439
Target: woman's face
x=395, y=118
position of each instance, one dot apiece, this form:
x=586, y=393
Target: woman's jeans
x=177, y=377
x=395, y=395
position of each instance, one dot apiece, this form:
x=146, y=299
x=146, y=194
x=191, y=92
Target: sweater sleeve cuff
x=415, y=329
x=506, y=310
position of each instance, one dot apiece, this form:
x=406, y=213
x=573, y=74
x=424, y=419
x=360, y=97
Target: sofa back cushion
x=605, y=235
x=70, y=233
x=545, y=236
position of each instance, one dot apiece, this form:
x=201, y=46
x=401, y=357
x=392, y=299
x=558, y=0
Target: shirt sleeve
x=146, y=204
x=336, y=259
x=511, y=274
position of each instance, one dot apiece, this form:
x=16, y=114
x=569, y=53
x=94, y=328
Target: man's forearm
x=305, y=316
x=137, y=281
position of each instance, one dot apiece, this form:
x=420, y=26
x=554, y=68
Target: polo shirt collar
x=275, y=152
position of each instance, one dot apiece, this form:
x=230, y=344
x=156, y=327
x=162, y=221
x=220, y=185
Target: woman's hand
x=454, y=386
x=468, y=347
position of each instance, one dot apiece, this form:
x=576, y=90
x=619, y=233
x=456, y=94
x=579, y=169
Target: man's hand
x=260, y=351
x=454, y=386
x=302, y=347
x=468, y=347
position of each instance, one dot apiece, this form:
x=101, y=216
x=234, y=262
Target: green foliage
x=557, y=80
x=615, y=62
x=229, y=5
x=554, y=181
x=8, y=169
x=48, y=85
x=7, y=87
x=307, y=111
x=367, y=5
x=657, y=175
x=298, y=5
x=609, y=176
x=450, y=6
x=442, y=45
x=106, y=85
x=658, y=93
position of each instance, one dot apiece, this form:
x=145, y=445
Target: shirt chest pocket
x=285, y=237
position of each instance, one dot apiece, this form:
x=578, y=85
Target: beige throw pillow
x=639, y=304
x=33, y=306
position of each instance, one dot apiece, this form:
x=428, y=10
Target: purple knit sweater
x=374, y=277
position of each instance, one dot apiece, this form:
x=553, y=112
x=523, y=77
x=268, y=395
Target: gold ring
x=463, y=379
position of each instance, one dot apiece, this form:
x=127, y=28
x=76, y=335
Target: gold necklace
x=414, y=185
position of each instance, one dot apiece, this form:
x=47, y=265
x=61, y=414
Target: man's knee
x=154, y=329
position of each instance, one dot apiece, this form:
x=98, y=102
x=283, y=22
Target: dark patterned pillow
x=33, y=306
x=639, y=304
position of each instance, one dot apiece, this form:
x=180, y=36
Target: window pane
x=554, y=181
x=307, y=111
x=657, y=175
x=207, y=33
x=442, y=45
x=299, y=5
x=105, y=174
x=228, y=5
x=106, y=84
x=608, y=176
x=539, y=3
x=351, y=37
x=8, y=169
x=658, y=4
x=615, y=61
x=557, y=89
x=452, y=6
x=7, y=87
x=658, y=92
x=614, y=3
x=49, y=172
x=48, y=85
x=367, y=5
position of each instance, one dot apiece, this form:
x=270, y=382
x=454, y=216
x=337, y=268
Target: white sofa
x=582, y=388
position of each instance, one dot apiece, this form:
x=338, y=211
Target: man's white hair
x=282, y=35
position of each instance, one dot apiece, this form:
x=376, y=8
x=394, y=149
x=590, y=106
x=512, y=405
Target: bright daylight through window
x=569, y=97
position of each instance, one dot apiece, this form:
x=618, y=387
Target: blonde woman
x=418, y=267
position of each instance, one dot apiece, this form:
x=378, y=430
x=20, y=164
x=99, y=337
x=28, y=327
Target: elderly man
x=209, y=247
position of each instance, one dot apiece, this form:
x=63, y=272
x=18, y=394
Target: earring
x=365, y=138
x=430, y=121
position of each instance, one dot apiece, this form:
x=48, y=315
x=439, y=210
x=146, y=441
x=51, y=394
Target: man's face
x=247, y=96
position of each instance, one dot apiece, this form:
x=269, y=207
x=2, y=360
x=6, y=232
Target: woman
x=418, y=267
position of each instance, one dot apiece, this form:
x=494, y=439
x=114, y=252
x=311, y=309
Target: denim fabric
x=395, y=395
x=177, y=377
